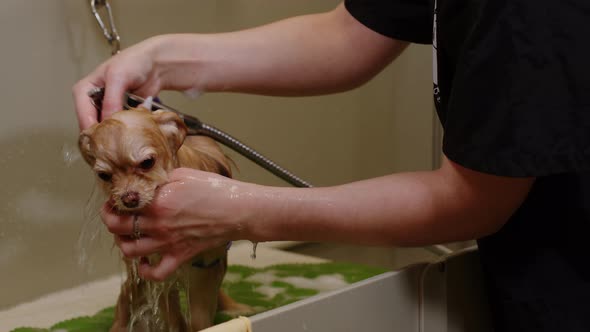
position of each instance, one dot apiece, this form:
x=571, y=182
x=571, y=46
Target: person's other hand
x=193, y=212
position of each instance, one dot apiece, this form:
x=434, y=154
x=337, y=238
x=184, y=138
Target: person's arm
x=197, y=211
x=305, y=55
x=406, y=209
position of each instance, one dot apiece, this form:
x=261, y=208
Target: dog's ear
x=172, y=126
x=84, y=140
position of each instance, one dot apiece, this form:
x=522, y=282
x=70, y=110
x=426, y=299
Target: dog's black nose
x=130, y=199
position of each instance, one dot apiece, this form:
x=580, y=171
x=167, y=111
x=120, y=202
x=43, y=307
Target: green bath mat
x=262, y=289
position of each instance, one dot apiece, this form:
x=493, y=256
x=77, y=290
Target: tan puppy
x=132, y=152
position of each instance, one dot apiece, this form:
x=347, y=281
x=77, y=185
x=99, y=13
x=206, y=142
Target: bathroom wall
x=382, y=127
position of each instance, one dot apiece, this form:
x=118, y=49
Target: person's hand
x=131, y=70
x=158, y=63
x=193, y=212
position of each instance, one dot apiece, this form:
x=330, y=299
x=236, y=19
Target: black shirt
x=512, y=87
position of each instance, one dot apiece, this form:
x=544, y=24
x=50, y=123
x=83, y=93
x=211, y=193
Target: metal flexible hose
x=251, y=154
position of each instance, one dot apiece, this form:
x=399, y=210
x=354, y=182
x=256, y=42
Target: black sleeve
x=520, y=98
x=407, y=20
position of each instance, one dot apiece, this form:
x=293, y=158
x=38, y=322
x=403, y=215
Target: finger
x=180, y=174
x=167, y=265
x=119, y=224
x=85, y=110
x=112, y=102
x=144, y=246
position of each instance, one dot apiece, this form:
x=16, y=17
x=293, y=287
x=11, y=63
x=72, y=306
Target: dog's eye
x=148, y=163
x=105, y=176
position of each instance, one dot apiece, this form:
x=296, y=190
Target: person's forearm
x=305, y=55
x=407, y=209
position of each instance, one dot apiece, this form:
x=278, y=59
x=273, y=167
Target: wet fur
x=117, y=146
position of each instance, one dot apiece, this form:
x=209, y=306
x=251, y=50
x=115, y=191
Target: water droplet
x=192, y=93
x=254, y=245
x=70, y=154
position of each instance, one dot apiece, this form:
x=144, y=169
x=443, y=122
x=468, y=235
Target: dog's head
x=132, y=153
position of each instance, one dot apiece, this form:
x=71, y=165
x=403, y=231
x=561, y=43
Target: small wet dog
x=132, y=152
